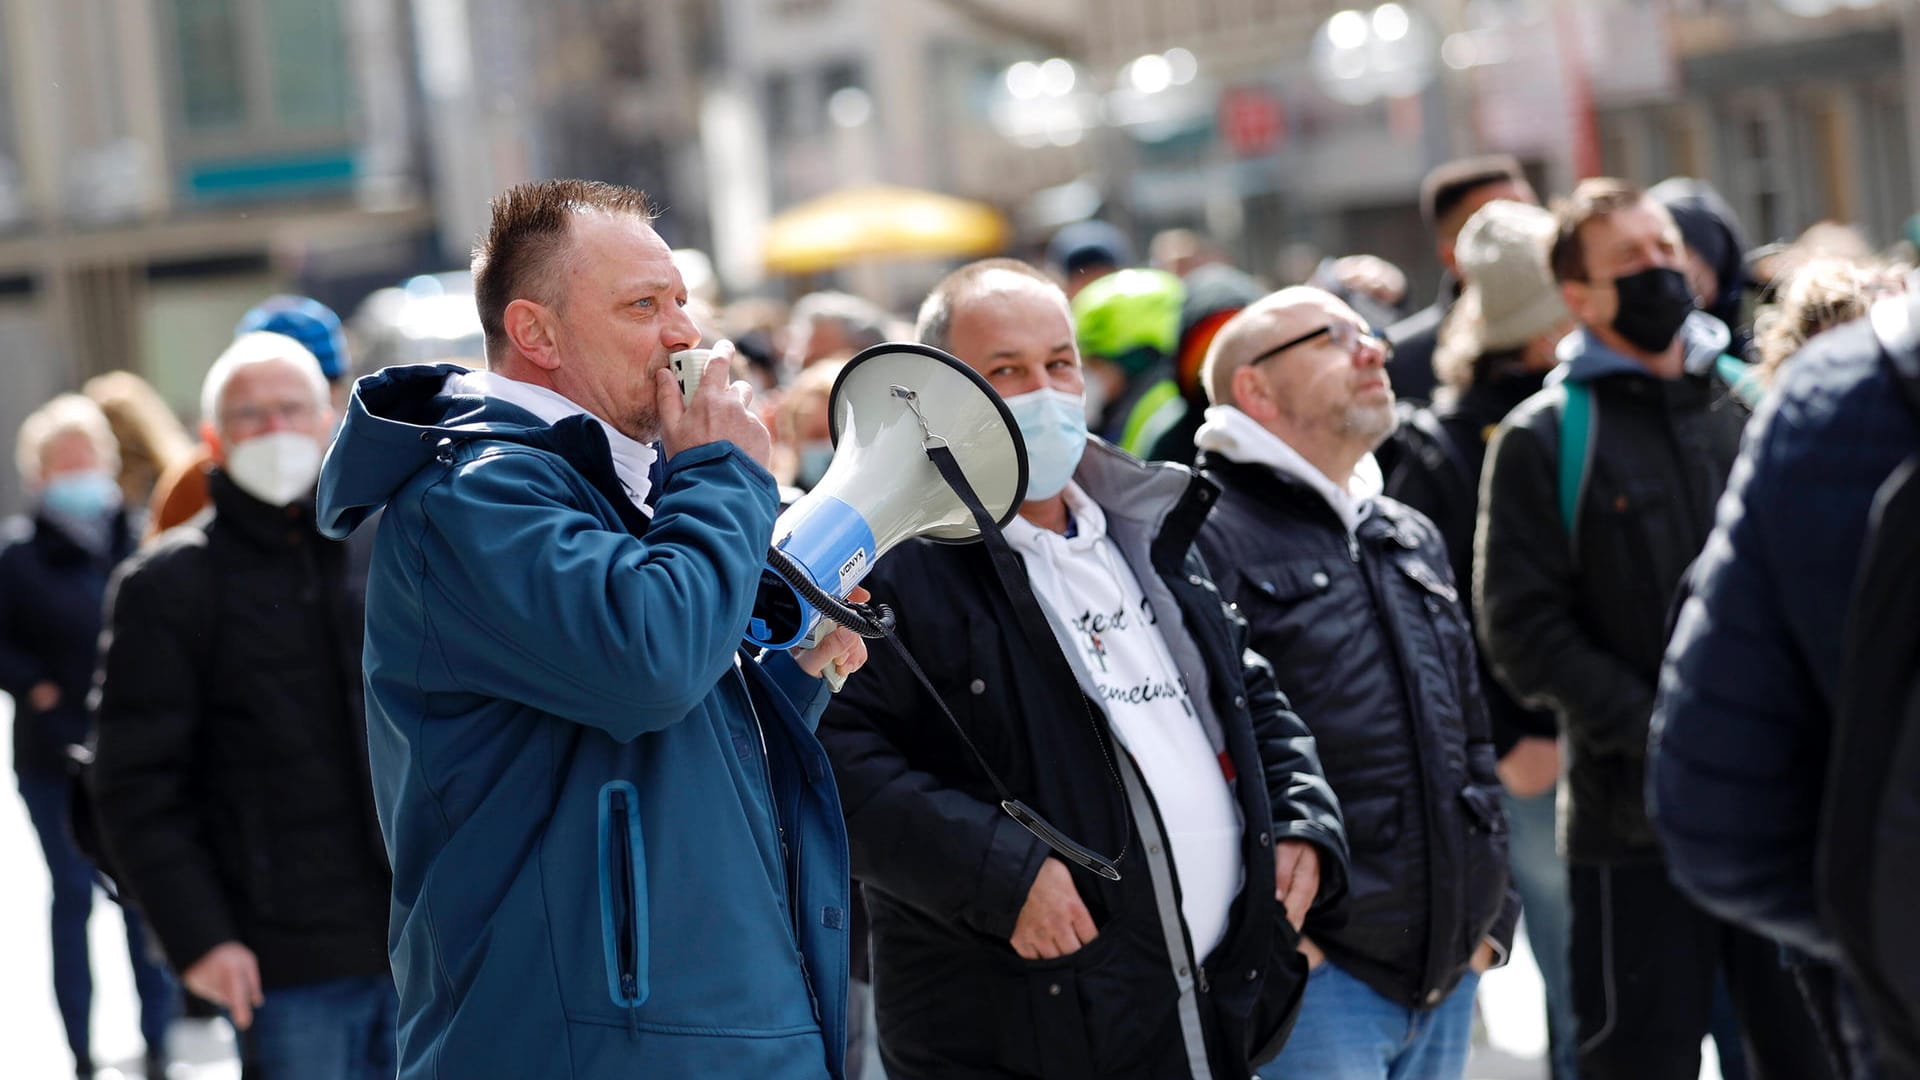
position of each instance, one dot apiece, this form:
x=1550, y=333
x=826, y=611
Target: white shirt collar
x=632, y=460
x=1238, y=437
x=1089, y=525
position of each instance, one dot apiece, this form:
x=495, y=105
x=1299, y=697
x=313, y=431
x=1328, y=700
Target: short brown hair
x=1591, y=201
x=528, y=234
x=935, y=324
x=1449, y=184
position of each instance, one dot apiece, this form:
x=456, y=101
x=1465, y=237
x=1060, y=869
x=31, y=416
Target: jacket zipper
x=786, y=852
x=626, y=949
x=1383, y=610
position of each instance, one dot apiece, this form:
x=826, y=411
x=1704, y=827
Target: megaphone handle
x=835, y=675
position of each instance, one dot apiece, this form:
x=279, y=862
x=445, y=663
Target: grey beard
x=1368, y=424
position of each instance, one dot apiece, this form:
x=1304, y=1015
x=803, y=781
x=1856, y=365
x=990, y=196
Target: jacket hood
x=1711, y=229
x=397, y=420
x=1584, y=358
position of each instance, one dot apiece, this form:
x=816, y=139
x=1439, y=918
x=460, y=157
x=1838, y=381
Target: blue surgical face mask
x=81, y=495
x=1054, y=425
x=815, y=456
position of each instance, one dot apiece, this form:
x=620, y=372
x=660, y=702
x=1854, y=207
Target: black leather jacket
x=1367, y=636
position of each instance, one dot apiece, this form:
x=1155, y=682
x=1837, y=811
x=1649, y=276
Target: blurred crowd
x=1564, y=578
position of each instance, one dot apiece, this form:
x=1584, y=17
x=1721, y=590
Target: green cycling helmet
x=1129, y=310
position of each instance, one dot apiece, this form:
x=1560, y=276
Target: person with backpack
x=1599, y=492
x=54, y=564
x=1783, y=767
x=1495, y=350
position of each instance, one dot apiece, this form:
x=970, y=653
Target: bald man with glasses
x=1350, y=595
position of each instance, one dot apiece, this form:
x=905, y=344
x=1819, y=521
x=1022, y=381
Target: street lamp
x=1359, y=57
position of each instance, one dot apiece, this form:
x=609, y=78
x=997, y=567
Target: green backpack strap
x=1577, y=423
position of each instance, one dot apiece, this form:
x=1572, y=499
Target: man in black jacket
x=1449, y=195
x=1131, y=716
x=1581, y=546
x=231, y=776
x=1495, y=351
x=1351, y=597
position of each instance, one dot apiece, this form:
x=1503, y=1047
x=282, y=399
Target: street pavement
x=1510, y=1043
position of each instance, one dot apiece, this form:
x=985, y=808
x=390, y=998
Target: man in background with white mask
x=231, y=777
x=1131, y=716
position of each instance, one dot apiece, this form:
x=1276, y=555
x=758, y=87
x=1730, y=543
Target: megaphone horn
x=889, y=406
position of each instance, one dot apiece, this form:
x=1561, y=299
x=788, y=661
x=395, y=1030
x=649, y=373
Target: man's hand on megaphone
x=719, y=411
x=843, y=650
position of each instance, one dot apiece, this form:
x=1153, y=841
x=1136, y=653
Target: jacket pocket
x=1484, y=867
x=623, y=894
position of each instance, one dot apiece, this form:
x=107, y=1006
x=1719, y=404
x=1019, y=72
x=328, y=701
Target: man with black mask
x=1599, y=492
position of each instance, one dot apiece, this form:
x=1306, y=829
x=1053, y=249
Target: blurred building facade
x=1795, y=119
x=166, y=163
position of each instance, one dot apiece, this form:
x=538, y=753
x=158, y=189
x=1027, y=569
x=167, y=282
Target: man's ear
x=1574, y=295
x=530, y=326
x=1252, y=395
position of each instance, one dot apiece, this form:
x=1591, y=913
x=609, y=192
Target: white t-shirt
x=1092, y=591
x=632, y=461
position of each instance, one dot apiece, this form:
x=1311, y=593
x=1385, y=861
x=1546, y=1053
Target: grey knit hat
x=1502, y=257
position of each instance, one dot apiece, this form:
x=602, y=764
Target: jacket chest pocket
x=1438, y=597
x=1288, y=599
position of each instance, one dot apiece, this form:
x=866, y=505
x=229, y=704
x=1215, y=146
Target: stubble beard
x=1366, y=425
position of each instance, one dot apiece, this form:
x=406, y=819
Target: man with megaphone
x=1108, y=683
x=617, y=849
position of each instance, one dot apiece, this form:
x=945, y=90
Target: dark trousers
x=1644, y=962
x=46, y=798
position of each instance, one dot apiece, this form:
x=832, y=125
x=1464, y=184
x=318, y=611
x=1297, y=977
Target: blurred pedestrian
x=1599, y=492
x=1449, y=195
x=1716, y=254
x=1495, y=349
x=1086, y=251
x=1815, y=296
x=802, y=430
x=1214, y=292
x=616, y=852
x=54, y=566
x=1764, y=705
x=1182, y=251
x=182, y=491
x=824, y=325
x=1111, y=662
x=1351, y=597
x=231, y=777
x=1127, y=325
x=151, y=440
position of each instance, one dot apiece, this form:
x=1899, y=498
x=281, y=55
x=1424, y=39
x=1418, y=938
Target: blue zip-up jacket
x=616, y=852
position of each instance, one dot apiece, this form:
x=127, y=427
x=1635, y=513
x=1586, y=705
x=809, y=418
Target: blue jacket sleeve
x=1737, y=748
x=808, y=693
x=531, y=598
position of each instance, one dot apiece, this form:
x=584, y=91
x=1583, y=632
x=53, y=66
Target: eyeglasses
x=1344, y=335
x=257, y=417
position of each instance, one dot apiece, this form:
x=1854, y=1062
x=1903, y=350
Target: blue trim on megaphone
x=833, y=544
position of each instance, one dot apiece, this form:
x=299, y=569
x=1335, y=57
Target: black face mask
x=1653, y=304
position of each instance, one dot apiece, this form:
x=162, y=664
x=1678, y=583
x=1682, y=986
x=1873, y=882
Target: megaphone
x=890, y=405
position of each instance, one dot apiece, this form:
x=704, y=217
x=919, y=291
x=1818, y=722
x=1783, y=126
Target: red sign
x=1252, y=121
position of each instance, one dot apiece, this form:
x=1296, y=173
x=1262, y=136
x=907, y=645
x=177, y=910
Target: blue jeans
x=1540, y=876
x=1347, y=1031
x=72, y=875
x=342, y=1029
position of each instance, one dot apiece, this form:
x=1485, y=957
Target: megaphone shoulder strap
x=1026, y=610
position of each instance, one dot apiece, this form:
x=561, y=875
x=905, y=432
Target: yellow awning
x=880, y=222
